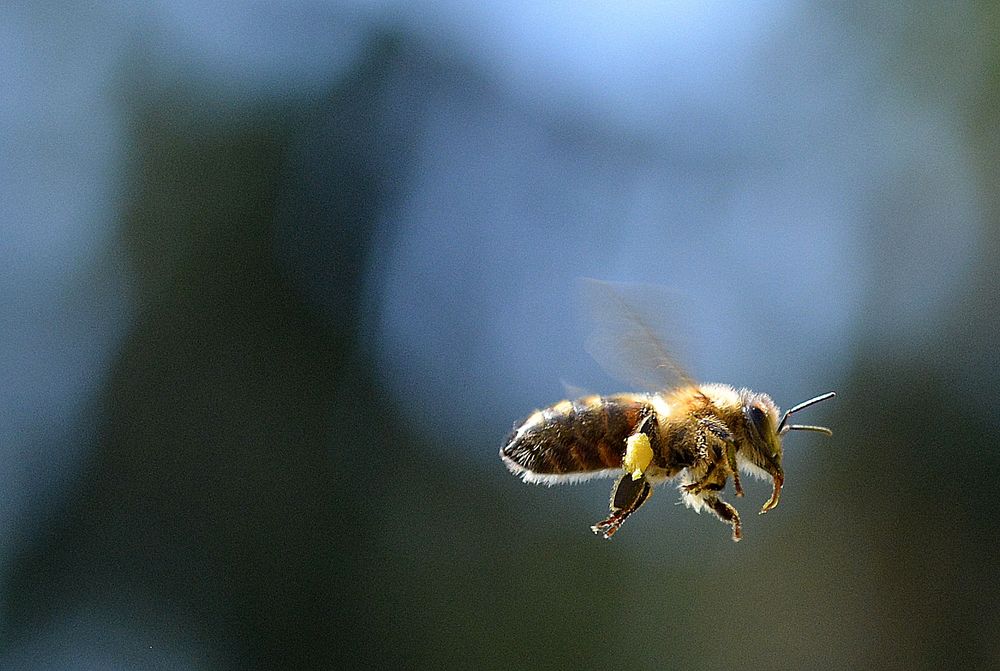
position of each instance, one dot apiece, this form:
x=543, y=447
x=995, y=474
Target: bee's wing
x=575, y=391
x=625, y=339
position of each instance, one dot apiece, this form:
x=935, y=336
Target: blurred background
x=277, y=280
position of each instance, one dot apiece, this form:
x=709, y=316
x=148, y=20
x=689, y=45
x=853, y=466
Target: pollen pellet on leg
x=638, y=454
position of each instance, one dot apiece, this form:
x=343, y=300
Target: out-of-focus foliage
x=257, y=492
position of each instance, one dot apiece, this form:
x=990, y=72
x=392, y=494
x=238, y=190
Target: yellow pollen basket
x=638, y=454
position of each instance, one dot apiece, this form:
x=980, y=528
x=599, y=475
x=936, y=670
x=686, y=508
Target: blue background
x=279, y=278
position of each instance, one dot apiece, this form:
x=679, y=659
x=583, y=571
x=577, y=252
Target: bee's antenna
x=784, y=428
x=809, y=427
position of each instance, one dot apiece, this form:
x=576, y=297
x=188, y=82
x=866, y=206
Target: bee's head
x=763, y=445
x=764, y=430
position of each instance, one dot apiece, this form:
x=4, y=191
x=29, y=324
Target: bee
x=698, y=434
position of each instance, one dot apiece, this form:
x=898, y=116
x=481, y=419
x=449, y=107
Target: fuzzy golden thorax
x=750, y=417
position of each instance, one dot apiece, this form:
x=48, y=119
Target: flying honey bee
x=699, y=434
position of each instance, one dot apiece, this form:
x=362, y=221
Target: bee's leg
x=731, y=458
x=726, y=513
x=626, y=497
x=711, y=434
x=697, y=486
x=779, y=479
x=629, y=493
x=706, y=481
x=711, y=481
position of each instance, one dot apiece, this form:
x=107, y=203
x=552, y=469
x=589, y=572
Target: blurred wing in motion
x=575, y=391
x=624, y=338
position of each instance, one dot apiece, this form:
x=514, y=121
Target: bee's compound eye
x=758, y=418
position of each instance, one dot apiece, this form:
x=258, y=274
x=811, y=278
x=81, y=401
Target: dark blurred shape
x=252, y=500
x=222, y=506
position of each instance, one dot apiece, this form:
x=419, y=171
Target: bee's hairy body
x=702, y=434
x=583, y=439
x=576, y=440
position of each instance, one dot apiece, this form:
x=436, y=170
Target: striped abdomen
x=575, y=439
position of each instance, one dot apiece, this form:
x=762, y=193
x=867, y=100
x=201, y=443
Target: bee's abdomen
x=575, y=436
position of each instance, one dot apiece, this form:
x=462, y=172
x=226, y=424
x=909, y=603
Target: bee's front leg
x=779, y=479
x=626, y=497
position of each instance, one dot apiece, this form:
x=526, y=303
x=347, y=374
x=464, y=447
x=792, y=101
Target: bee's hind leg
x=726, y=513
x=626, y=497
